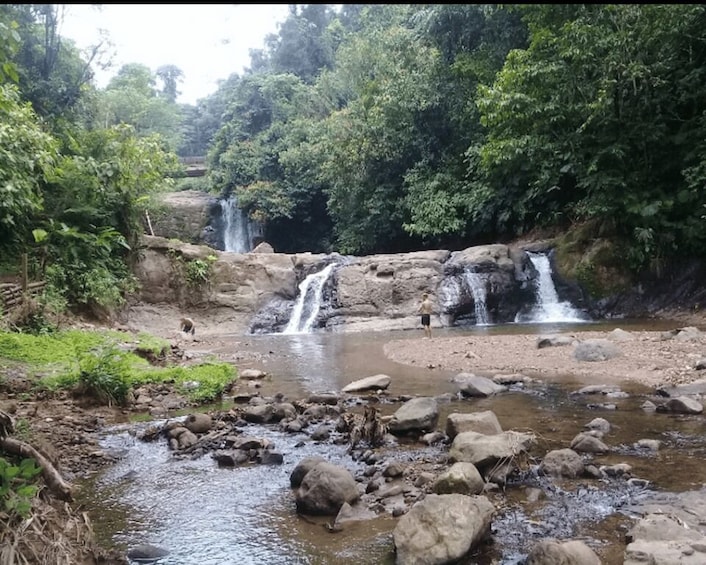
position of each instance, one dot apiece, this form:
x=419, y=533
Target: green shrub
x=201, y=383
x=17, y=486
x=105, y=374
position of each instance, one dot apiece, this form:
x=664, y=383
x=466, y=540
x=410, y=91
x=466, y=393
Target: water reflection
x=209, y=515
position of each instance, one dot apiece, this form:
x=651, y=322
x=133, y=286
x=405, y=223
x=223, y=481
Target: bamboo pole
x=25, y=277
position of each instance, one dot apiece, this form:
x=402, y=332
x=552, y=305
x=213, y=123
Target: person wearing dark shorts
x=425, y=309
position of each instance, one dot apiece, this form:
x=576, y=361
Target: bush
x=105, y=374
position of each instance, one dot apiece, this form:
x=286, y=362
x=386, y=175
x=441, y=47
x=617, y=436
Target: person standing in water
x=425, y=309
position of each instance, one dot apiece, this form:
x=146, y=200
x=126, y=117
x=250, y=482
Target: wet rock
x=562, y=463
x=198, y=423
x=617, y=470
x=587, y=443
x=485, y=422
x=271, y=457
x=147, y=552
x=394, y=469
x=485, y=451
x=302, y=468
x=321, y=433
x=648, y=406
x=418, y=414
x=348, y=514
x=433, y=437
x=375, y=382
x=324, y=398
x=230, y=458
x=682, y=405
x=260, y=414
x=423, y=479
x=324, y=489
x=597, y=389
x=475, y=386
x=461, y=478
x=651, y=444
x=600, y=424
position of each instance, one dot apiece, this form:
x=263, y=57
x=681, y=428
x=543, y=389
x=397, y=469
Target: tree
x=27, y=157
x=171, y=76
x=52, y=73
x=131, y=97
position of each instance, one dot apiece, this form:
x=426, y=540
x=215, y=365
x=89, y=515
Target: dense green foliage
x=367, y=128
x=452, y=125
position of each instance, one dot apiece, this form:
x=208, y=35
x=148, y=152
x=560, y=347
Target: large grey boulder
x=485, y=451
x=441, y=528
x=415, y=415
x=324, y=489
x=461, y=478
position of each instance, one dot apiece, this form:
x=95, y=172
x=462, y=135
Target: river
x=208, y=515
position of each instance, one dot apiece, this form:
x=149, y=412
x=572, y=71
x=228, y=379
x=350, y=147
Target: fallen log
x=57, y=486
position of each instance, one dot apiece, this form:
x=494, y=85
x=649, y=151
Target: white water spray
x=548, y=307
x=308, y=303
x=238, y=230
x=476, y=284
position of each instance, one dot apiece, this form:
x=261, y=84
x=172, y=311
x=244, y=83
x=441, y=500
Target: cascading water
x=456, y=290
x=308, y=303
x=476, y=284
x=548, y=307
x=238, y=230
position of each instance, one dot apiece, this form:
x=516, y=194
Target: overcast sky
x=208, y=42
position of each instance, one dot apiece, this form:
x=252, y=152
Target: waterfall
x=308, y=303
x=454, y=290
x=238, y=229
x=548, y=307
x=476, y=284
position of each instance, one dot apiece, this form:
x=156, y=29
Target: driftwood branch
x=57, y=486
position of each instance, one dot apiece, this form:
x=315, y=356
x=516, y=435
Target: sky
x=208, y=42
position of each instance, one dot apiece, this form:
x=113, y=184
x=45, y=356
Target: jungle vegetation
x=367, y=128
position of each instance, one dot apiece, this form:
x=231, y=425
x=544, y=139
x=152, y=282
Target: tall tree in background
x=170, y=76
x=132, y=97
x=52, y=72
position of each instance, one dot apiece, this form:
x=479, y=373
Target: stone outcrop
x=185, y=216
x=256, y=292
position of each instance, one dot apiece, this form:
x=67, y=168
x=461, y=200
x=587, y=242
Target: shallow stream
x=208, y=515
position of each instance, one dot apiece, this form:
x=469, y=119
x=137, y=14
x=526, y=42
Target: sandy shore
x=645, y=357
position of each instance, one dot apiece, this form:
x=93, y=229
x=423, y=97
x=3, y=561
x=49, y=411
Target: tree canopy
x=376, y=128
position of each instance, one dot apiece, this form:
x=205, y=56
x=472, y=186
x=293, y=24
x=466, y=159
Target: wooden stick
x=58, y=487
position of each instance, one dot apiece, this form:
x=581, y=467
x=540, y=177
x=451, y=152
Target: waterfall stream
x=548, y=307
x=476, y=284
x=308, y=303
x=238, y=230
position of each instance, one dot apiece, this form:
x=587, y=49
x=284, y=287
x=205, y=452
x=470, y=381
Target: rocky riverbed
x=68, y=428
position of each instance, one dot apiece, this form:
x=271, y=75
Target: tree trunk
x=57, y=486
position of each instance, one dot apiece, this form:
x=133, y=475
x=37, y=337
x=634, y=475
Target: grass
x=106, y=364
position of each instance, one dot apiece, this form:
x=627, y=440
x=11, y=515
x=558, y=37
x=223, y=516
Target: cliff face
x=185, y=216
x=257, y=292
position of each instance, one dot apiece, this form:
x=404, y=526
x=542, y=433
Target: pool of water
x=205, y=514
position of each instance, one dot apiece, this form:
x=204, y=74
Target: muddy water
x=209, y=515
